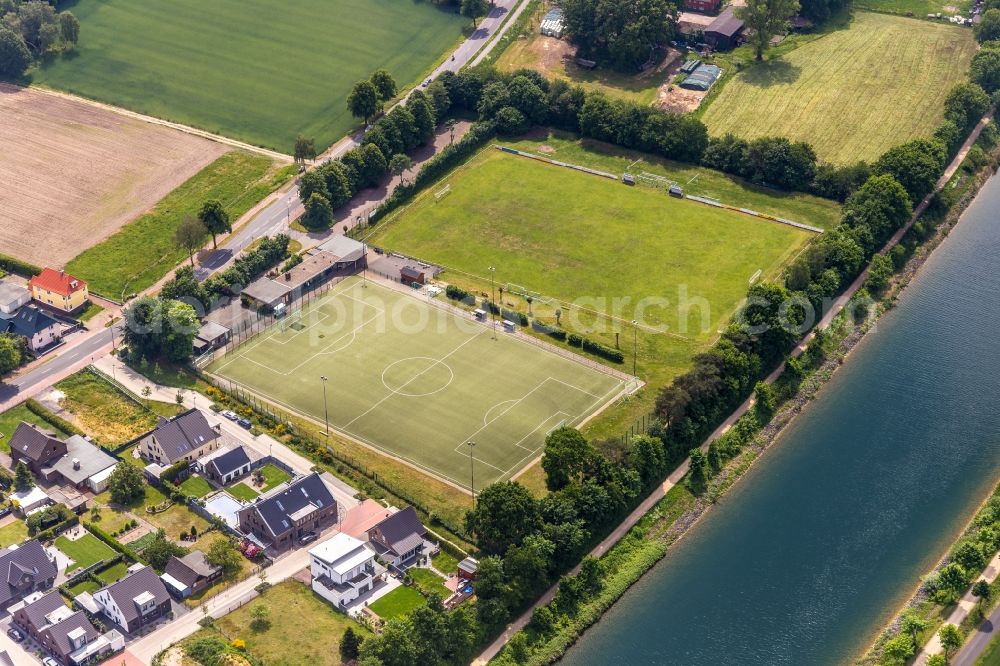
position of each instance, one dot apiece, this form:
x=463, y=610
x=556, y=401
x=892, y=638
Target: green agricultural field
x=853, y=93
x=260, y=71
x=143, y=251
x=593, y=243
x=418, y=381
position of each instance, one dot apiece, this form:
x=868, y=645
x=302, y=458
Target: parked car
x=245, y=423
x=4, y=510
x=230, y=414
x=308, y=537
x=49, y=661
x=15, y=635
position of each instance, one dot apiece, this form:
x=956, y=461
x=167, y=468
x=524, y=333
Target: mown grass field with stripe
x=853, y=93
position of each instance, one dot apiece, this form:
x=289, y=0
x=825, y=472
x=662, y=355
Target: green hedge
x=514, y=316
x=111, y=541
x=596, y=348
x=57, y=422
x=22, y=268
x=459, y=294
x=551, y=331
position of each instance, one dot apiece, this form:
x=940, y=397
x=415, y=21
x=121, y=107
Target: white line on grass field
x=416, y=376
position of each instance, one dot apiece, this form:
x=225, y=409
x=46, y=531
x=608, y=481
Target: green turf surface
x=14, y=533
x=273, y=475
x=85, y=551
x=256, y=70
x=853, y=93
x=114, y=573
x=242, y=491
x=196, y=486
x=142, y=251
x=418, y=381
x=429, y=582
x=696, y=180
x=592, y=242
x=401, y=601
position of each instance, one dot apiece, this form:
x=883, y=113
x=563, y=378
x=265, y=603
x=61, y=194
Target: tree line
x=30, y=29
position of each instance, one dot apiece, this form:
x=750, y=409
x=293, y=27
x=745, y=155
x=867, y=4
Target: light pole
x=472, y=471
x=635, y=344
x=364, y=264
x=326, y=411
x=493, y=299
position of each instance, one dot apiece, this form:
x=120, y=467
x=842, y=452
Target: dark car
x=245, y=423
x=628, y=179
x=308, y=537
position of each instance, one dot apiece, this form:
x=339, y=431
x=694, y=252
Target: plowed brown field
x=73, y=173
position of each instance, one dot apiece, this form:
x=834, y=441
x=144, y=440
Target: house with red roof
x=59, y=290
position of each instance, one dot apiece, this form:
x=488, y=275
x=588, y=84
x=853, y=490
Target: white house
x=343, y=569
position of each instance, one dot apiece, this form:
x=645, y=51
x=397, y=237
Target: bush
x=551, y=331
x=18, y=267
x=514, y=316
x=459, y=294
x=575, y=340
x=604, y=351
x=172, y=473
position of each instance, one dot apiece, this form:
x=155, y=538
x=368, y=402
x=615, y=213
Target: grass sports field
x=418, y=381
x=256, y=70
x=853, y=93
x=587, y=240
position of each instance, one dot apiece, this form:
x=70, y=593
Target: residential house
x=135, y=601
x=289, y=512
x=187, y=436
x=190, y=574
x=24, y=569
x=59, y=290
x=12, y=296
x=398, y=537
x=68, y=636
x=725, y=32
x=42, y=331
x=343, y=568
x=74, y=461
x=35, y=447
x=224, y=467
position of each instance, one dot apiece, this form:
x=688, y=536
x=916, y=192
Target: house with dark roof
x=39, y=611
x=725, y=32
x=35, y=447
x=289, y=512
x=42, y=331
x=187, y=436
x=73, y=640
x=398, y=537
x=190, y=574
x=137, y=600
x=24, y=569
x=226, y=466
x=59, y=290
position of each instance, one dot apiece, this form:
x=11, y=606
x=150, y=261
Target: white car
x=49, y=661
x=229, y=414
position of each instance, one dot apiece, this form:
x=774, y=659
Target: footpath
x=660, y=491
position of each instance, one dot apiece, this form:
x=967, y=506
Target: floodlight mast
x=493, y=299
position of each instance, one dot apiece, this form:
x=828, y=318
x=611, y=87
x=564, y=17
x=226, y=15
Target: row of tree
x=30, y=29
x=383, y=150
x=523, y=98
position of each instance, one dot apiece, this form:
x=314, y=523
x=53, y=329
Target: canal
x=806, y=558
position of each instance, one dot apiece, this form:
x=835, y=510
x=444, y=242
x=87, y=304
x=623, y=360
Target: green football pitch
x=419, y=381
x=261, y=71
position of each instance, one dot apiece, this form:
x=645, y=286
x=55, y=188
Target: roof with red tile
x=361, y=518
x=124, y=659
x=58, y=282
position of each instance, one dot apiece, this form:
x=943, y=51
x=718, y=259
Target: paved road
x=979, y=640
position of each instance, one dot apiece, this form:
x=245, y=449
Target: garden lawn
x=113, y=574
x=273, y=476
x=177, y=520
x=14, y=533
x=853, y=93
x=103, y=411
x=445, y=563
x=10, y=419
x=401, y=601
x=85, y=551
x=295, y=613
x=429, y=582
x=85, y=585
x=260, y=71
x=143, y=251
x=196, y=486
x=243, y=492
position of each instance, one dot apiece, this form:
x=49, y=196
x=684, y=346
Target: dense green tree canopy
x=505, y=513
x=621, y=35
